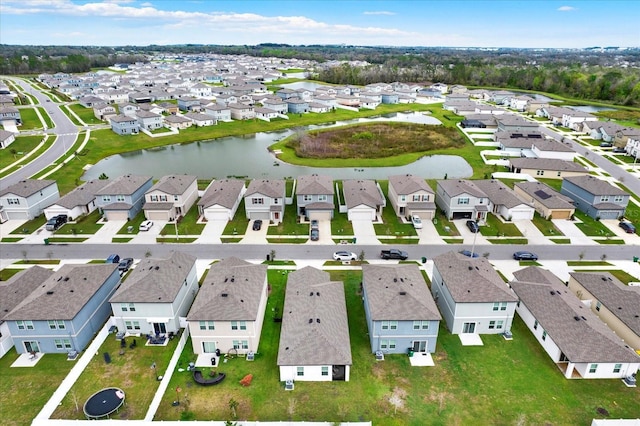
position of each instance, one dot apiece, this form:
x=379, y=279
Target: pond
x=248, y=156
x=591, y=108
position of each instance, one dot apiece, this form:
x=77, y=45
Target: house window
x=307, y=198
x=492, y=325
x=120, y=198
x=176, y=198
x=124, y=307
x=392, y=344
x=539, y=172
x=593, y=368
x=500, y=306
x=13, y=201
x=325, y=370
x=276, y=200
x=421, y=325
x=389, y=325
x=62, y=344
x=300, y=371
x=598, y=306
x=106, y=198
x=257, y=201
x=387, y=344
x=544, y=335
x=604, y=198
x=559, y=174
x=322, y=198
x=535, y=325
x=416, y=198
x=618, y=199
x=616, y=368
x=499, y=324
x=463, y=200
x=20, y=325
x=207, y=325
x=56, y=325
x=238, y=325
x=403, y=198
x=153, y=198
x=425, y=198
x=163, y=198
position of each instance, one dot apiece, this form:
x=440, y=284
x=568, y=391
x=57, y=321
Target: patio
x=27, y=360
x=470, y=339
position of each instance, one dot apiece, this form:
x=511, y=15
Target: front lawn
x=87, y=224
x=392, y=225
x=238, y=225
x=187, y=226
x=289, y=225
x=30, y=120
x=85, y=114
x=18, y=149
x=30, y=226
x=547, y=227
x=591, y=227
x=497, y=228
x=444, y=226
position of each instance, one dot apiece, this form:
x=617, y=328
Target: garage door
x=17, y=215
x=155, y=215
x=259, y=215
x=522, y=214
x=462, y=215
x=216, y=215
x=612, y=214
x=320, y=215
x=361, y=215
x=117, y=215
x=424, y=215
x=560, y=214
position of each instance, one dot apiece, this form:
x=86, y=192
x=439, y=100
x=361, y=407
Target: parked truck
x=394, y=254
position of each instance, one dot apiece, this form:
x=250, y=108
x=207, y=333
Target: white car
x=344, y=255
x=417, y=222
x=146, y=225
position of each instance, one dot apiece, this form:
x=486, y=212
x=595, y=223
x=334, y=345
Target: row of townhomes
x=172, y=196
x=588, y=326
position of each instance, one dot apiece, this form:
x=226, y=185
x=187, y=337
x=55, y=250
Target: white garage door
x=216, y=215
x=117, y=215
x=320, y=215
x=17, y=215
x=259, y=215
x=156, y=215
x=361, y=215
x=522, y=214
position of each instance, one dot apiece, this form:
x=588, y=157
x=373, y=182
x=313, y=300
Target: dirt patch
x=396, y=399
x=378, y=140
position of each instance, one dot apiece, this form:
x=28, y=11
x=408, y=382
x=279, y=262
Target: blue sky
x=466, y=23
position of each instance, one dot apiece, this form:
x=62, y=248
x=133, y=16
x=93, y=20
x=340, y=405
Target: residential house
x=575, y=339
x=124, y=125
x=549, y=203
x=12, y=293
x=552, y=149
x=201, y=120
x=189, y=103
x=264, y=199
x=503, y=201
x=228, y=312
x=171, y=197
x=79, y=202
x=129, y=110
x=10, y=116
x=314, y=197
x=242, y=112
x=411, y=195
x=104, y=111
x=123, y=198
x=597, y=198
x=66, y=311
x=462, y=199
x=297, y=106
x=277, y=105
x=547, y=168
x=319, y=108
x=265, y=114
x=6, y=138
x=226, y=99
x=471, y=295
x=178, y=121
x=616, y=304
x=389, y=97
x=155, y=295
x=364, y=199
x=90, y=101
x=221, y=199
x=401, y=313
x=149, y=120
x=218, y=112
x=510, y=122
x=572, y=118
x=26, y=199
x=314, y=341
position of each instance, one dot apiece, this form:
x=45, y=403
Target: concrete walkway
x=212, y=232
x=364, y=232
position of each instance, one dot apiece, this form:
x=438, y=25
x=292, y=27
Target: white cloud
x=566, y=8
x=378, y=12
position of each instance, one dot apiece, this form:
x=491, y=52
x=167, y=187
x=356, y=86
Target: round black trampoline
x=103, y=403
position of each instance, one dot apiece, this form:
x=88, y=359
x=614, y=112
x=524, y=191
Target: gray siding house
x=124, y=125
x=264, y=199
x=171, y=197
x=314, y=197
x=66, y=311
x=462, y=199
x=471, y=295
x=123, y=198
x=597, y=198
x=27, y=199
x=411, y=195
x=221, y=199
x=401, y=314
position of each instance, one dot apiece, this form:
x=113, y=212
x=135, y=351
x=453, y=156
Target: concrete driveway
x=469, y=236
x=428, y=234
x=571, y=231
x=531, y=232
x=212, y=232
x=149, y=237
x=107, y=232
x=324, y=228
x=364, y=232
x=614, y=226
x=256, y=237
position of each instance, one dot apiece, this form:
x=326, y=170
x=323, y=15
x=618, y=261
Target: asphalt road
x=64, y=128
x=306, y=251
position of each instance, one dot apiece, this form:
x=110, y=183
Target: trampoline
x=103, y=403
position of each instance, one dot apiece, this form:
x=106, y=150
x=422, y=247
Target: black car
x=257, y=224
x=125, y=264
x=628, y=227
x=468, y=253
x=315, y=235
x=56, y=222
x=473, y=226
x=525, y=255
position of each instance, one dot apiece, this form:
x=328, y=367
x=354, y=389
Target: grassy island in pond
x=377, y=140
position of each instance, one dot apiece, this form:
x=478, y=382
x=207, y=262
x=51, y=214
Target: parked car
x=113, y=258
x=417, y=222
x=468, y=253
x=125, y=264
x=314, y=224
x=146, y=225
x=315, y=235
x=344, y=255
x=56, y=222
x=394, y=254
x=473, y=226
x=606, y=144
x=257, y=224
x=525, y=255
x=619, y=150
x=628, y=227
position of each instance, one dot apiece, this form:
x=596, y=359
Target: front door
x=419, y=346
x=31, y=346
x=159, y=327
x=469, y=327
x=276, y=215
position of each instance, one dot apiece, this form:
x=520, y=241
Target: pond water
x=591, y=108
x=248, y=156
x=302, y=85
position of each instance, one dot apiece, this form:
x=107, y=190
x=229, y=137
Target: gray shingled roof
x=223, y=192
x=173, y=184
x=357, y=192
x=314, y=184
x=499, y=193
x=514, y=120
x=409, y=184
x=472, y=280
x=594, y=185
x=121, y=118
x=20, y=286
x=231, y=292
x=64, y=293
x=585, y=339
x=155, y=280
x=547, y=164
x=273, y=188
x=124, y=185
x=455, y=187
x=82, y=195
x=622, y=300
x=315, y=330
x=27, y=187
x=546, y=195
x=551, y=145
x=398, y=292
x=536, y=274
